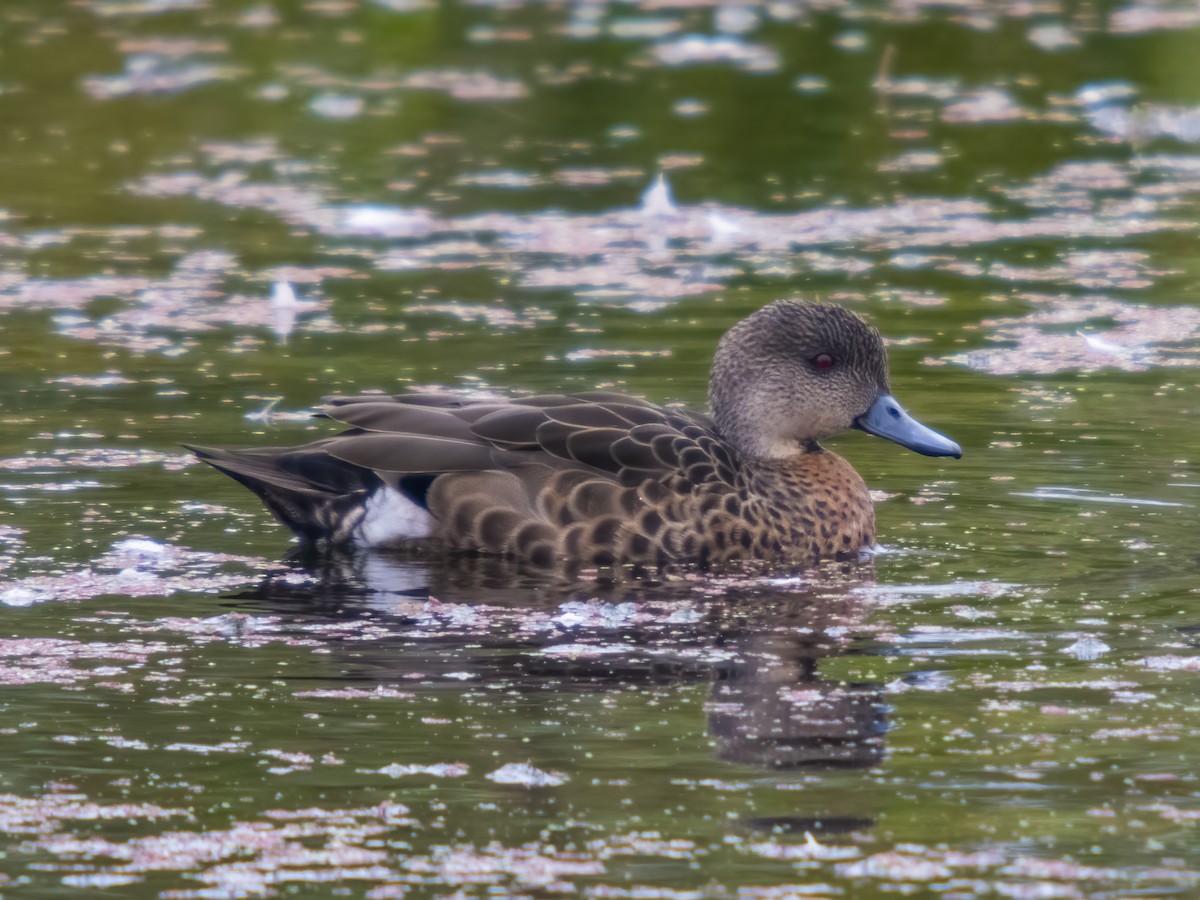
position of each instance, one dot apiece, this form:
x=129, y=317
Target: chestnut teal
x=604, y=480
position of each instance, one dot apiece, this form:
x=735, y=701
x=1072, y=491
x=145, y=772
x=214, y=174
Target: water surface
x=1002, y=703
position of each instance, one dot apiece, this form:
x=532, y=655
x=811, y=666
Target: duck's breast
x=818, y=505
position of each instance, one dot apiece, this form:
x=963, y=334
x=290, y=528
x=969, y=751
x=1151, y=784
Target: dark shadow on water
x=760, y=642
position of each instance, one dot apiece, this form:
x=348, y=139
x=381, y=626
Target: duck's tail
x=321, y=499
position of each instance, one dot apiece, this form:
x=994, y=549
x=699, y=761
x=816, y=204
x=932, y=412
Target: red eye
x=823, y=361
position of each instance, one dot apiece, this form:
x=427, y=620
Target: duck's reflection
x=761, y=642
x=771, y=708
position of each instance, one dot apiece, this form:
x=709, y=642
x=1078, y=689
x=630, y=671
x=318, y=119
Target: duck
x=603, y=481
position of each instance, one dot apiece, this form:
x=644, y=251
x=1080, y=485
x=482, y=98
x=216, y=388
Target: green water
x=1002, y=704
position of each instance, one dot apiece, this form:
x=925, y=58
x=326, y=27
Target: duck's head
x=796, y=372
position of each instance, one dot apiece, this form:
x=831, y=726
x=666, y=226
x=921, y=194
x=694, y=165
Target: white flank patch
x=391, y=519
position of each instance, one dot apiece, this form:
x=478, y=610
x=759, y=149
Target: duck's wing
x=593, y=476
x=628, y=439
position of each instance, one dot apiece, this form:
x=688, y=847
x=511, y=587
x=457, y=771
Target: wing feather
x=410, y=453
x=402, y=418
x=512, y=427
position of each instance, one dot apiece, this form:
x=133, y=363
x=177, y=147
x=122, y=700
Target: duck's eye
x=823, y=361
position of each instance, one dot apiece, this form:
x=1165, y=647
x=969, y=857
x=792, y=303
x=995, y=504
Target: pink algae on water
x=136, y=567
x=1059, y=335
x=433, y=770
x=61, y=661
x=245, y=859
x=45, y=815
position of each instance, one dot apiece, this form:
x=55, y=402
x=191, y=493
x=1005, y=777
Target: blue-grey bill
x=887, y=419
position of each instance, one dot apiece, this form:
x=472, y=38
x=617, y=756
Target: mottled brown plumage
x=604, y=480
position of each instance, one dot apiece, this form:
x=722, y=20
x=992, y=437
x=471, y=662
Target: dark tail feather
x=317, y=497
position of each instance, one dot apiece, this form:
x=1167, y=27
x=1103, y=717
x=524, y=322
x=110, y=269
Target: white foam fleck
x=527, y=776
x=721, y=229
x=1087, y=495
x=19, y=596
x=1087, y=648
x=657, y=201
x=145, y=548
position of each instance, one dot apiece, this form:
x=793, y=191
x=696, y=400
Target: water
x=1002, y=703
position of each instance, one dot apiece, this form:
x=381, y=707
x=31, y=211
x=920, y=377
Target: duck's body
x=605, y=480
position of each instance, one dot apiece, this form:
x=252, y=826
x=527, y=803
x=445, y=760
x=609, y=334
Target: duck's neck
x=767, y=448
x=754, y=429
